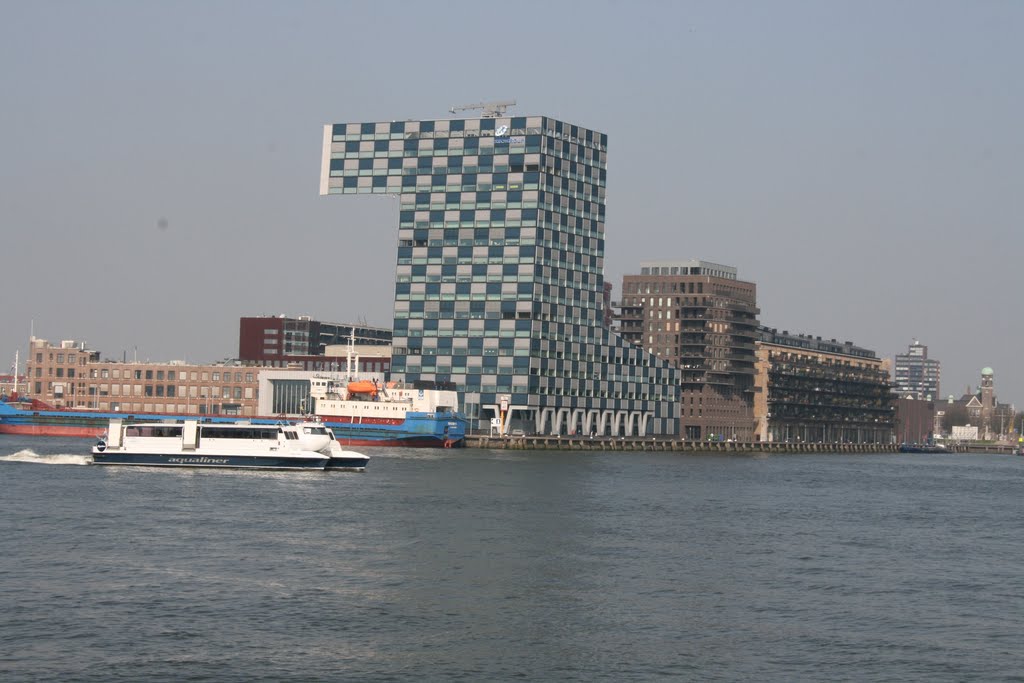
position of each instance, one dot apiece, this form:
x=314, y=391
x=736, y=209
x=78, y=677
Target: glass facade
x=499, y=281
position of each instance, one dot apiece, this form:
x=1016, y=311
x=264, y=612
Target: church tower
x=988, y=402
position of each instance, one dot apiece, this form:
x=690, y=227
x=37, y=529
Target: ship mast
x=351, y=352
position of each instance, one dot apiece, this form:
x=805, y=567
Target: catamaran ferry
x=304, y=446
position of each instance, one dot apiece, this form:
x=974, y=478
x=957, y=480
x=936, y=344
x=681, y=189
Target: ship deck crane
x=492, y=110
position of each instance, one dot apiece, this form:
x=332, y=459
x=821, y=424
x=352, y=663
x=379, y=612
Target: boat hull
x=910, y=448
x=347, y=463
x=251, y=462
x=418, y=430
x=411, y=441
x=52, y=430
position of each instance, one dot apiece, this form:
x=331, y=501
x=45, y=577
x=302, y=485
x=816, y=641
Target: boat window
x=232, y=432
x=158, y=431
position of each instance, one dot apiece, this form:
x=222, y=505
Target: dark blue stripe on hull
x=231, y=461
x=347, y=463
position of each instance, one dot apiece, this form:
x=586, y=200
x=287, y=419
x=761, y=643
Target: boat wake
x=49, y=459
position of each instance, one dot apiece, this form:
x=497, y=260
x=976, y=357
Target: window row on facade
x=71, y=358
x=172, y=391
x=483, y=159
x=511, y=126
x=436, y=182
x=158, y=375
x=566, y=270
x=560, y=258
x=483, y=173
x=566, y=207
x=147, y=390
x=416, y=145
x=572, y=227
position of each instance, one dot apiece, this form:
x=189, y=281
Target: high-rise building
x=917, y=375
x=499, y=280
x=703, y=320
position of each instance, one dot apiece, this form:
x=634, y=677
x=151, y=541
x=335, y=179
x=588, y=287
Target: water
x=462, y=565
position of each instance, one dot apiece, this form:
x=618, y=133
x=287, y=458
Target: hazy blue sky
x=860, y=161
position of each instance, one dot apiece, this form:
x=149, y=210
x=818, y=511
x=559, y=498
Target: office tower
x=499, y=275
x=917, y=375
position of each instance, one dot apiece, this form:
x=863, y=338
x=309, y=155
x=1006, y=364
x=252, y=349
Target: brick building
x=70, y=375
x=703, y=320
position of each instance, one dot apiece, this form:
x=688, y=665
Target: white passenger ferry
x=305, y=446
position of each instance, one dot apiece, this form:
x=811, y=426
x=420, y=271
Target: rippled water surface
x=485, y=566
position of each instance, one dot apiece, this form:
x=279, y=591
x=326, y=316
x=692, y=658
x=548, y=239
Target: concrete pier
x=586, y=443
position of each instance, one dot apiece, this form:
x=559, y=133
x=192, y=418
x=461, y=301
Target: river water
x=466, y=565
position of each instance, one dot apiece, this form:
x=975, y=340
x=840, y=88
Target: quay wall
x=586, y=443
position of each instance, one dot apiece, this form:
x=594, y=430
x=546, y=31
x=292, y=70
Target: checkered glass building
x=499, y=280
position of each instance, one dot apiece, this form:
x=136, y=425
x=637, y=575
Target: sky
x=860, y=161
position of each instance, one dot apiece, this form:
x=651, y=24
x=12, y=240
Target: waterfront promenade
x=608, y=443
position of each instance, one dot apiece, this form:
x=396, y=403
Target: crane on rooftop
x=492, y=110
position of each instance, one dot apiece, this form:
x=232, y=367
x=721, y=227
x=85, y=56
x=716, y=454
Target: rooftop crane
x=492, y=110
